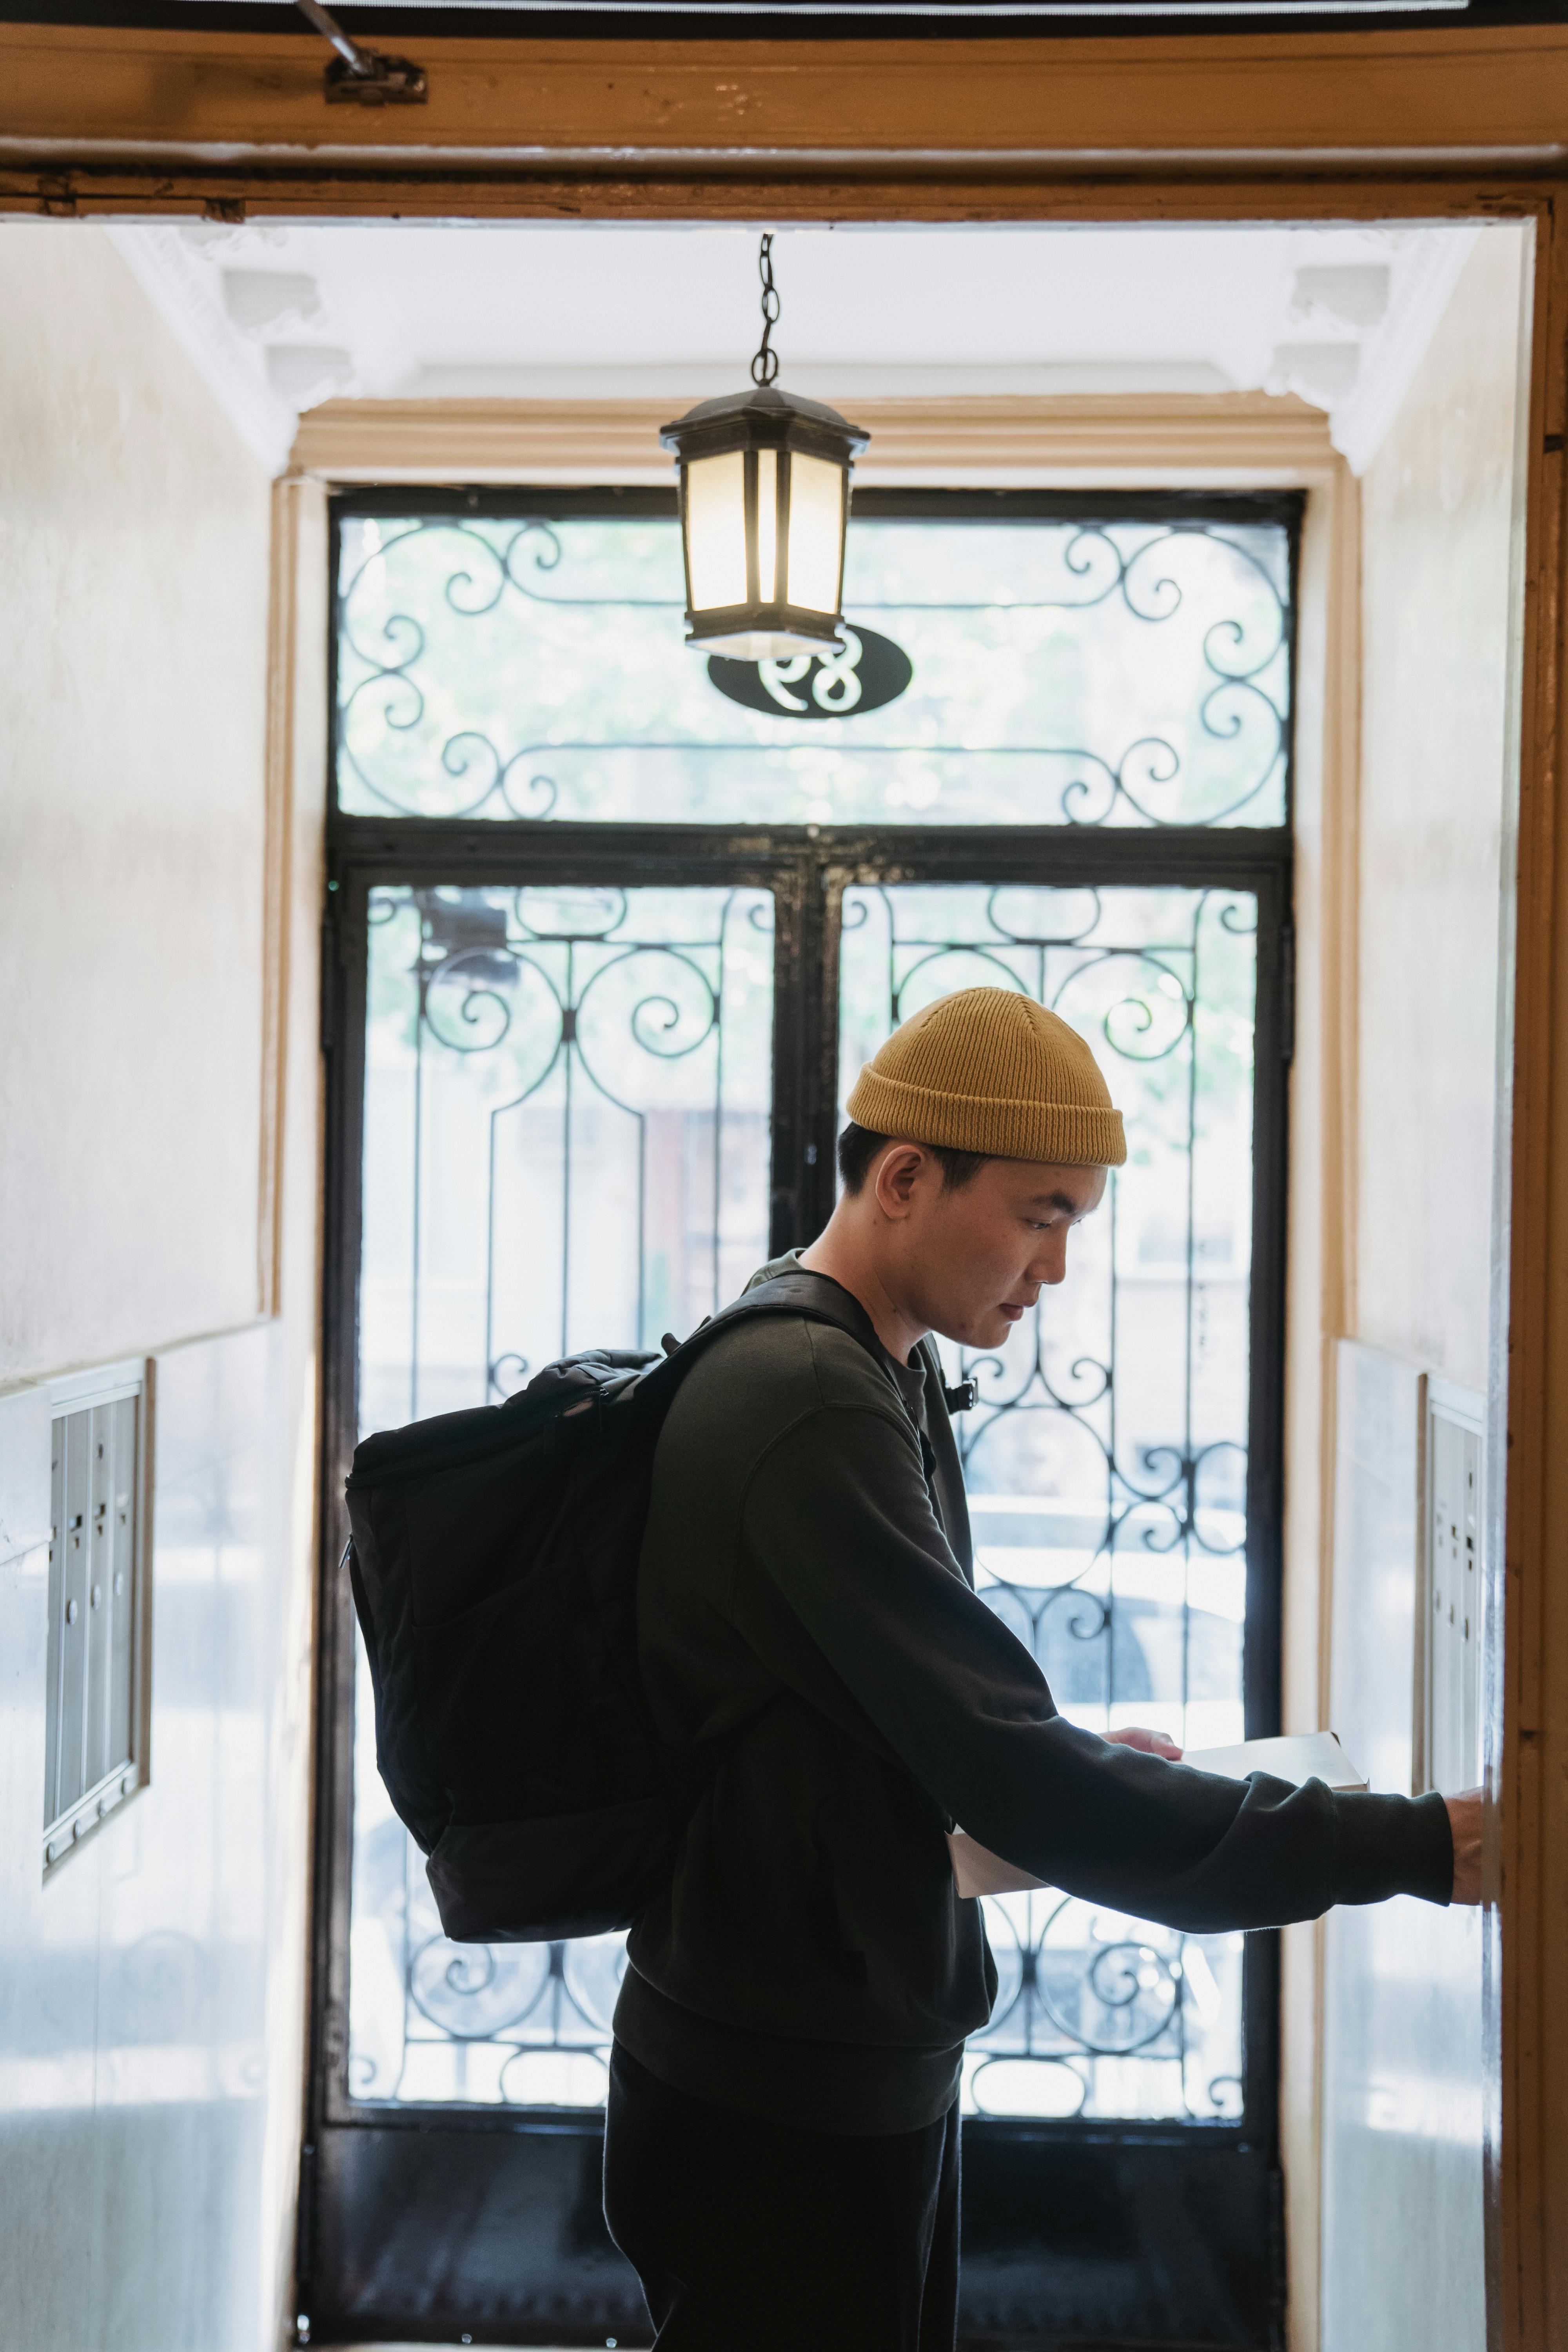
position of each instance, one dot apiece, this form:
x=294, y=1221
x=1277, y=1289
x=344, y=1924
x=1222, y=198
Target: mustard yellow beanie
x=989, y=1070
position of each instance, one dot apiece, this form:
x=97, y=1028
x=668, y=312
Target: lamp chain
x=765, y=365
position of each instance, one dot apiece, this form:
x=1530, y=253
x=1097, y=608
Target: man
x=782, y=2145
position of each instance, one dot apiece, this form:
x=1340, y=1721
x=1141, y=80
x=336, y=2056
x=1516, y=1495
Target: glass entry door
x=586, y=1077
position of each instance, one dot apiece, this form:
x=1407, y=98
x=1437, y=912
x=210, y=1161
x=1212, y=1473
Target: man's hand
x=1156, y=1743
x=1464, y=1812
x=1465, y=1821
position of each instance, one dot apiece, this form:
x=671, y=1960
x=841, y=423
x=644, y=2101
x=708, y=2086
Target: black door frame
x=425, y=2223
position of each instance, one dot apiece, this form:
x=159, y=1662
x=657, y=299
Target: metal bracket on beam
x=360, y=76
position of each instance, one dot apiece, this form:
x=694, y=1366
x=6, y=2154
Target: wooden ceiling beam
x=136, y=120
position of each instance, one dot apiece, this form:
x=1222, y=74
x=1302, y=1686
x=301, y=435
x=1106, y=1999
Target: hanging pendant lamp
x=764, y=499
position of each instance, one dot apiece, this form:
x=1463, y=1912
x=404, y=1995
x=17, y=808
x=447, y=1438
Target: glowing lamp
x=765, y=500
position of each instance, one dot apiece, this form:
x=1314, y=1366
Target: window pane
x=566, y=1145
x=1125, y=673
x=1106, y=1459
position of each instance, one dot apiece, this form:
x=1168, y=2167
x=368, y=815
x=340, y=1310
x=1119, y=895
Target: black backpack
x=494, y=1557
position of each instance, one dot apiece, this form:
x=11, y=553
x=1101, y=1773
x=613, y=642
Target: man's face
x=972, y=1262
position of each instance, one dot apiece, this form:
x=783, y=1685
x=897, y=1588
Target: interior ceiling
x=289, y=316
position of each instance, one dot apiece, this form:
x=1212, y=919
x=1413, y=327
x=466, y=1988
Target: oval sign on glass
x=868, y=672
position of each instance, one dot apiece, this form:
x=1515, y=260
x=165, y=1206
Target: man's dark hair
x=859, y=1147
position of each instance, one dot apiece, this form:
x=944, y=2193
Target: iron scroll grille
x=1111, y=1526
x=631, y=1027
x=572, y=1086
x=1125, y=667
x=596, y=1022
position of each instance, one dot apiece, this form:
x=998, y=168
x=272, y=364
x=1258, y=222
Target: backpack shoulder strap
x=819, y=1300
x=817, y=1297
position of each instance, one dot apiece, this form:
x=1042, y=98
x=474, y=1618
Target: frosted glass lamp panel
x=767, y=525
x=816, y=533
x=716, y=531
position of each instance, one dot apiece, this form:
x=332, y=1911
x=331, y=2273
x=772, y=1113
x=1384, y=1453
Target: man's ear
x=898, y=1173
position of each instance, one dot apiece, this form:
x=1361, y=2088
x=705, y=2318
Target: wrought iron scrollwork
x=566, y=1032
x=1093, y=1521
x=1110, y=1533
x=563, y=982
x=422, y=727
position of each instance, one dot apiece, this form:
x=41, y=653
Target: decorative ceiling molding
x=1352, y=331
x=1424, y=282
x=1353, y=335
x=1239, y=439
x=187, y=292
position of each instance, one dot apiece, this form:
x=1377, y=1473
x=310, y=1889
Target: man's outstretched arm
x=840, y=1550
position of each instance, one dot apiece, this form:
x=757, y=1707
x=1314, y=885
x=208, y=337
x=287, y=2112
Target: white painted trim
x=1423, y=280
x=1467, y=1406
x=187, y=294
x=127, y=1378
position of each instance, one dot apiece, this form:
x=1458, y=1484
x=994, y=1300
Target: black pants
x=751, y=2236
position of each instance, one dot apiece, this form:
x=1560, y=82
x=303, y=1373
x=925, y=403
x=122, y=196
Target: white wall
x=151, y=1993
x=1402, y=2232
x=133, y=589
x=1437, y=515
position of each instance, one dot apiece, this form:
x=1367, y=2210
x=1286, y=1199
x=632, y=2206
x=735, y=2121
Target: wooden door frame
x=1421, y=124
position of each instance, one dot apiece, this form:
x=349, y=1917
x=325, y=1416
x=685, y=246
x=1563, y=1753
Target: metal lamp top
x=762, y=415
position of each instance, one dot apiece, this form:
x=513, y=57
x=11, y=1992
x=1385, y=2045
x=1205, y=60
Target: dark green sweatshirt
x=806, y=1596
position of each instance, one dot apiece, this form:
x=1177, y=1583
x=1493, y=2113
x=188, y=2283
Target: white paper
x=1298, y=1758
